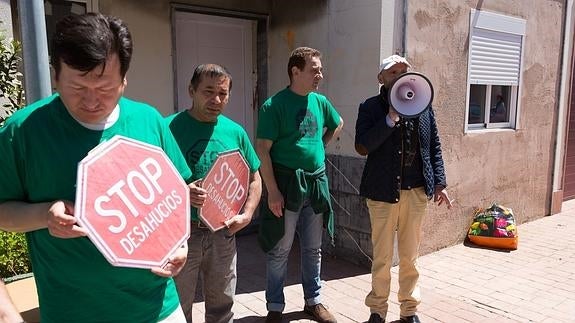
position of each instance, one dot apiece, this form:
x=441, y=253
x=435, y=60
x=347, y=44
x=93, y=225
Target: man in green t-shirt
x=202, y=132
x=294, y=127
x=41, y=146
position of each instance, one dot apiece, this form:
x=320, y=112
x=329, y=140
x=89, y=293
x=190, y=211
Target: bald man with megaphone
x=397, y=132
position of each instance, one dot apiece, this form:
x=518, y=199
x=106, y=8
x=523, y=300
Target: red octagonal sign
x=227, y=183
x=133, y=202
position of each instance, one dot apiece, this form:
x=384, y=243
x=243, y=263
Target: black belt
x=200, y=225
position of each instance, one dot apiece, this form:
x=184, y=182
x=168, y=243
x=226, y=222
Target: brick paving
x=463, y=283
x=535, y=283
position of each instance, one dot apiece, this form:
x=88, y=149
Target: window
x=494, y=70
x=55, y=10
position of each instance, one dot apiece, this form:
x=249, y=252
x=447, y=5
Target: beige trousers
x=406, y=217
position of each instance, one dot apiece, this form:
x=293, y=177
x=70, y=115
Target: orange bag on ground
x=494, y=227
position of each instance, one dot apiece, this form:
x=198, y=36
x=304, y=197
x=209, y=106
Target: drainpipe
x=563, y=110
x=399, y=27
x=404, y=30
x=34, y=49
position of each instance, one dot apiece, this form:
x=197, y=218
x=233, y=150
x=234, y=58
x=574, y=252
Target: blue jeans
x=309, y=229
x=214, y=256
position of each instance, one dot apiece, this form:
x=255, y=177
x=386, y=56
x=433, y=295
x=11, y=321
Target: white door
x=202, y=39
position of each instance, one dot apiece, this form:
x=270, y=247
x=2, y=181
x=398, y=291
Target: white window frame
x=91, y=5
x=495, y=27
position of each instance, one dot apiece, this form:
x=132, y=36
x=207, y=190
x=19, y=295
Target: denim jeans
x=309, y=229
x=215, y=256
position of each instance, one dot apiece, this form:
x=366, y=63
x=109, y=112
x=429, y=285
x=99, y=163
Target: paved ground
x=535, y=283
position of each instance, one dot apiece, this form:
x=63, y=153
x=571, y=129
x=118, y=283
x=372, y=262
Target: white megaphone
x=410, y=94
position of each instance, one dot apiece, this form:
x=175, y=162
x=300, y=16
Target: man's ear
x=380, y=77
x=53, y=76
x=295, y=70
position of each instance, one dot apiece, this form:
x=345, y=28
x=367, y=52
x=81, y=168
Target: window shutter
x=495, y=58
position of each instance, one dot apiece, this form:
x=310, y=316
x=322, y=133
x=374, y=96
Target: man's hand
x=276, y=203
x=175, y=263
x=393, y=115
x=238, y=222
x=441, y=197
x=197, y=194
x=61, y=221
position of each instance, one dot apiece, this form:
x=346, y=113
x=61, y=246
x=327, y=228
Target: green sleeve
x=173, y=151
x=268, y=122
x=11, y=186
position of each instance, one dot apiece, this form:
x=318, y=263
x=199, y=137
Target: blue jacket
x=381, y=180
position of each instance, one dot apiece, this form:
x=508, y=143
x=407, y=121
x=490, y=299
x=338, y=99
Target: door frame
x=260, y=89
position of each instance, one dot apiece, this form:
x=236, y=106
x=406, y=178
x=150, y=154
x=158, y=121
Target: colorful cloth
x=494, y=227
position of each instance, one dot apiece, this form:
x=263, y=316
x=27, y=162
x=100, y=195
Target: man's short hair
x=86, y=41
x=210, y=70
x=298, y=58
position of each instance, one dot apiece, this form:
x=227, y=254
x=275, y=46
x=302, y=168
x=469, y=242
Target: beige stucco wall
x=151, y=76
x=6, y=18
x=510, y=167
x=358, y=36
x=291, y=27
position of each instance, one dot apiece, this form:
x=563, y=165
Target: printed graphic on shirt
x=411, y=140
x=306, y=122
x=200, y=159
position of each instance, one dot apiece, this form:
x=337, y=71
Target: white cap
x=392, y=60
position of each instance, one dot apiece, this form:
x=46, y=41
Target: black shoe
x=410, y=319
x=274, y=317
x=375, y=318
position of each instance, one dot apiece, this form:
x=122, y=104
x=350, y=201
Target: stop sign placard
x=227, y=184
x=133, y=202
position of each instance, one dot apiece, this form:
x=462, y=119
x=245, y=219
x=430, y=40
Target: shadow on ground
x=470, y=244
x=251, y=268
x=287, y=317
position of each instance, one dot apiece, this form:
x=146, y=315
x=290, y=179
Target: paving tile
x=567, y=307
x=443, y=316
x=468, y=316
x=535, y=283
